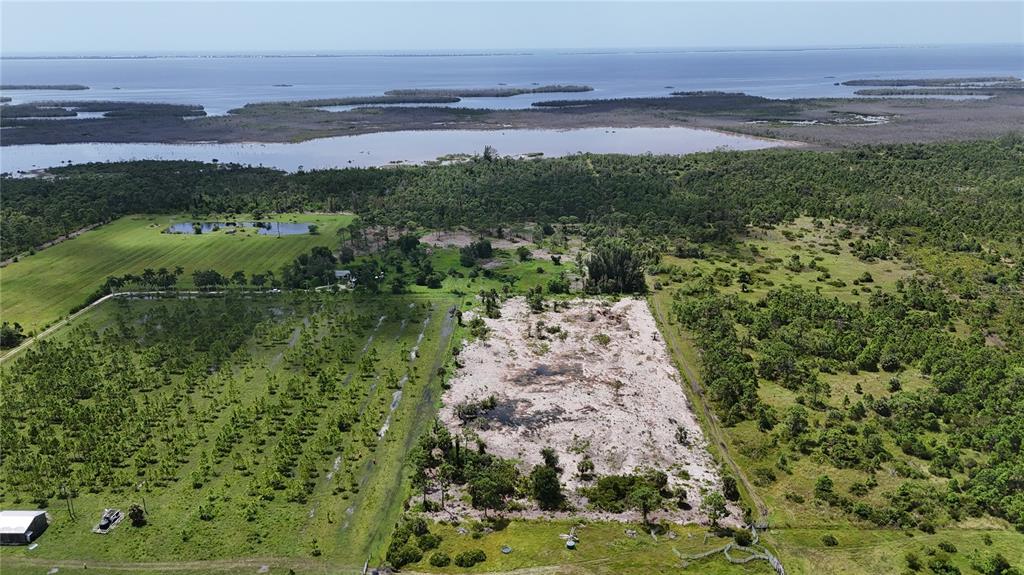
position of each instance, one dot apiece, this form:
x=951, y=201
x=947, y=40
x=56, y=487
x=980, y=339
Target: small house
x=344, y=276
x=21, y=527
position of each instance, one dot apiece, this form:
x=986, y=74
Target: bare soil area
x=593, y=379
x=462, y=238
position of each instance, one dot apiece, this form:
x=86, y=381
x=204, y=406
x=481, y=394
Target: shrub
x=743, y=538
x=470, y=558
x=404, y=555
x=829, y=540
x=947, y=547
x=942, y=566
x=730, y=489
x=913, y=561
x=137, y=515
x=763, y=476
x=558, y=285
x=794, y=497
x=418, y=526
x=440, y=559
x=429, y=541
x=993, y=565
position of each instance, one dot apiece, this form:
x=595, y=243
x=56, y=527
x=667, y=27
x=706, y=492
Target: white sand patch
x=620, y=403
x=461, y=239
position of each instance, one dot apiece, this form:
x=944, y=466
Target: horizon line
x=470, y=52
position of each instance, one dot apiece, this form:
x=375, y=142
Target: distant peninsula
x=416, y=96
x=820, y=122
x=970, y=82
x=502, y=92
x=68, y=87
x=971, y=86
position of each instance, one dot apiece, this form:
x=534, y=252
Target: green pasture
x=43, y=287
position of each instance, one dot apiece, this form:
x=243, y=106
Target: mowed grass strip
x=604, y=549
x=43, y=287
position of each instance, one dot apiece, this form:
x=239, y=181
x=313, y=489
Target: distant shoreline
x=21, y=87
x=499, y=52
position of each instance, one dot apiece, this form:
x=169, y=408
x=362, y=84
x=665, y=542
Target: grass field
x=43, y=287
x=604, y=548
x=214, y=437
x=524, y=275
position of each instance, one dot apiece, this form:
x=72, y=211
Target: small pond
x=263, y=228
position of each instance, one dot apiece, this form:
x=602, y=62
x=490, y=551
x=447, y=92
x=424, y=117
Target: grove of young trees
x=965, y=426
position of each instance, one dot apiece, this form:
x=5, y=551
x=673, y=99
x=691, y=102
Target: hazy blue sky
x=88, y=27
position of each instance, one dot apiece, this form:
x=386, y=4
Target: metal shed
x=21, y=527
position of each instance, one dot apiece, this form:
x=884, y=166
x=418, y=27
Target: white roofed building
x=21, y=527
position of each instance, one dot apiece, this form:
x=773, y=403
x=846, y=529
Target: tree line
x=946, y=192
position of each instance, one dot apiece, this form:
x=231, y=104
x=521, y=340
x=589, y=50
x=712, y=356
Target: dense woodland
x=957, y=195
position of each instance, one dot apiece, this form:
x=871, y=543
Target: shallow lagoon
x=389, y=148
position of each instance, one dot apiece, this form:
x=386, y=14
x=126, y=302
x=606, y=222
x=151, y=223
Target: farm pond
x=263, y=228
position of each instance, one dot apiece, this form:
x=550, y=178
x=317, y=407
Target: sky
x=83, y=27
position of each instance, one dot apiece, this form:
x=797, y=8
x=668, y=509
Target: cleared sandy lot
x=602, y=385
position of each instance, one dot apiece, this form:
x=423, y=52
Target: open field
x=604, y=549
x=593, y=381
x=266, y=426
x=866, y=551
x=40, y=288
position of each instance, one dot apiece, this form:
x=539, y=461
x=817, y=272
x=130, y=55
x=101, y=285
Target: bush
x=993, y=565
x=730, y=489
x=743, y=538
x=947, y=547
x=137, y=515
x=404, y=555
x=440, y=559
x=942, y=566
x=558, y=285
x=429, y=541
x=418, y=525
x=470, y=558
x=829, y=540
